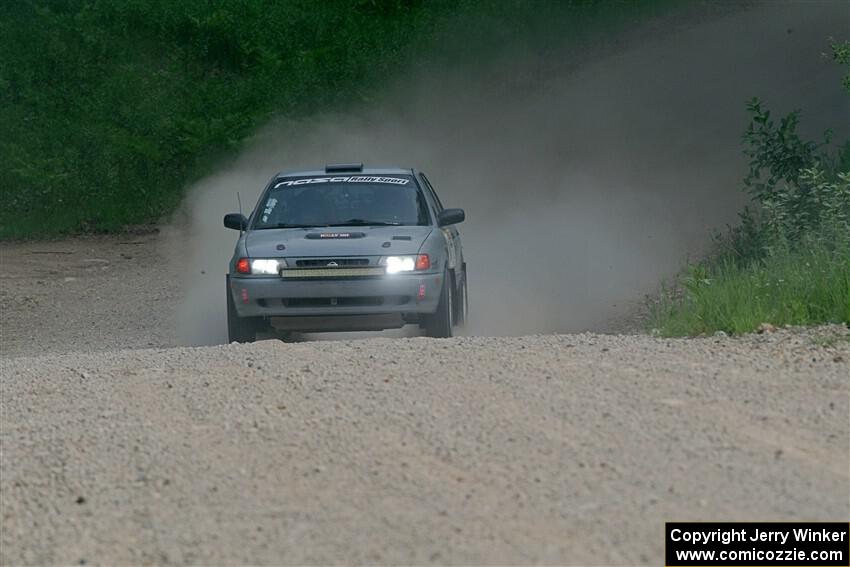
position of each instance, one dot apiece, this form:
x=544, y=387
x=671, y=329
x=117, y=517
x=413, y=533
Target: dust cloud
x=587, y=176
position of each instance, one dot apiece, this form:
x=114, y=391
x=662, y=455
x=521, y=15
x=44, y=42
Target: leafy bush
x=789, y=260
x=797, y=188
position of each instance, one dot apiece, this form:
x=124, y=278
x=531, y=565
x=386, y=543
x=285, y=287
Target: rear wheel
x=239, y=329
x=439, y=324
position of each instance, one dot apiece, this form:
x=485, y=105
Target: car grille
x=370, y=271
x=323, y=262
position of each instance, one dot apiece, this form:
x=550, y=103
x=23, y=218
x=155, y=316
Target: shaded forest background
x=111, y=107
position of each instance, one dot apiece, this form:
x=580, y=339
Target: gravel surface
x=567, y=449
x=86, y=294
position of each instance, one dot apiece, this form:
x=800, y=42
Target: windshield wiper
x=361, y=222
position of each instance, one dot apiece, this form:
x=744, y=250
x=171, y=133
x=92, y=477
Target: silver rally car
x=346, y=249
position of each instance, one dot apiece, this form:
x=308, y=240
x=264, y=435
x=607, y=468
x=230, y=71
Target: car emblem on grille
x=333, y=265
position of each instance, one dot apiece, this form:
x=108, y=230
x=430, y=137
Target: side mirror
x=235, y=221
x=450, y=216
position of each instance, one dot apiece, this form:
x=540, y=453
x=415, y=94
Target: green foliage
x=777, y=153
x=109, y=108
x=799, y=189
x=789, y=260
x=841, y=55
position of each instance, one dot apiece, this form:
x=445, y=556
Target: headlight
x=396, y=264
x=267, y=267
x=260, y=266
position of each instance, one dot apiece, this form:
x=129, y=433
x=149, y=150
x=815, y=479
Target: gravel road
x=558, y=449
x=86, y=294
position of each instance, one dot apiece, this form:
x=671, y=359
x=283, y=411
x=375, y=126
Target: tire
x=439, y=324
x=239, y=329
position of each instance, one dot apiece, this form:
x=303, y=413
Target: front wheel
x=239, y=329
x=439, y=324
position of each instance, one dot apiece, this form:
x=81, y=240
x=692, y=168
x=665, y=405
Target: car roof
x=364, y=171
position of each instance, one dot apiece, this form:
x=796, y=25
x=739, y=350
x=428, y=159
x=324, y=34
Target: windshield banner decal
x=352, y=179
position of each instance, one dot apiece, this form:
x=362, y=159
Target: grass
x=806, y=286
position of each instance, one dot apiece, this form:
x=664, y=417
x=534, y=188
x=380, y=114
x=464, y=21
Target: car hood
x=335, y=241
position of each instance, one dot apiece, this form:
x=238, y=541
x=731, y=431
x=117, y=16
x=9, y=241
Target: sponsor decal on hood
x=332, y=235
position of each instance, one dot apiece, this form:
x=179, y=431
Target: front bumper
x=272, y=296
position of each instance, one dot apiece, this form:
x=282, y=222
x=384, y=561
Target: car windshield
x=361, y=200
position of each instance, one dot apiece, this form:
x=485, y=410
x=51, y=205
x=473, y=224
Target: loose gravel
x=86, y=294
x=557, y=449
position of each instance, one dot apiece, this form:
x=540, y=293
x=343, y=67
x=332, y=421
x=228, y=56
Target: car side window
x=433, y=193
